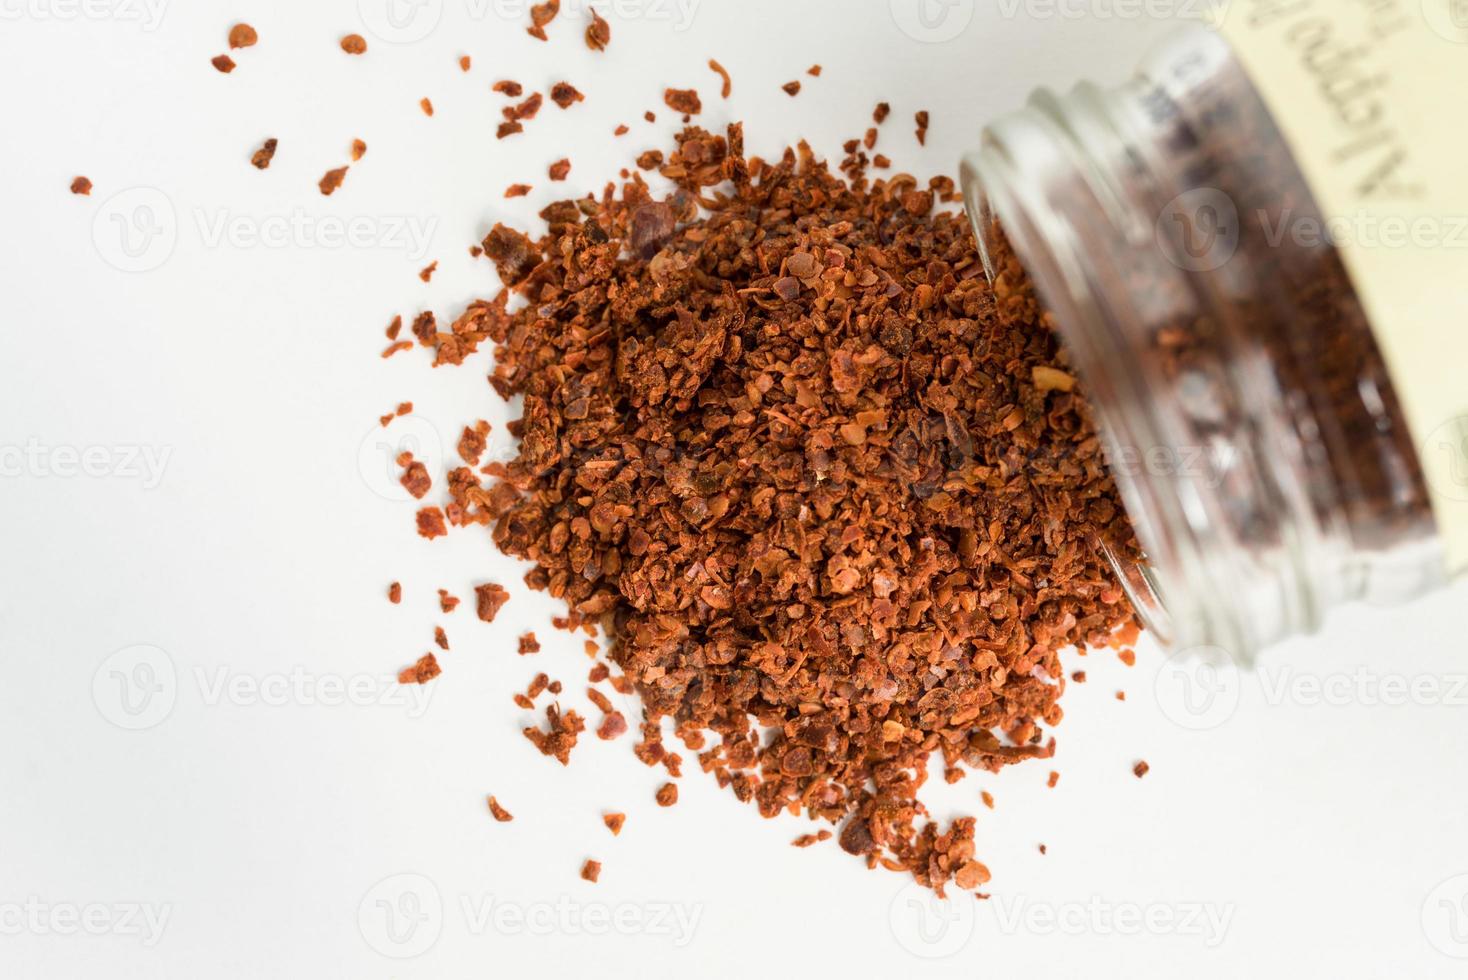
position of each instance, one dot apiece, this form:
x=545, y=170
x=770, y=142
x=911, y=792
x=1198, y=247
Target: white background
x=274, y=833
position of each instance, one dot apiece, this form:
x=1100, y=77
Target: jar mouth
x=1039, y=237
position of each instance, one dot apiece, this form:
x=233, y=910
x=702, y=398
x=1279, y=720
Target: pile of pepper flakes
x=835, y=499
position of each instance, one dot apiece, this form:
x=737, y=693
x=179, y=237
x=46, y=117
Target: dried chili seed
x=82, y=185
x=426, y=273
x=988, y=798
x=430, y=523
x=359, y=150
x=262, y=157
x=489, y=600
x=464, y=62
x=1141, y=769
x=591, y=871
x=518, y=190
x=792, y=89
x=223, y=62
x=354, y=44
x=529, y=644
x=684, y=100
x=446, y=602
x=542, y=14
x=426, y=105
x=614, y=822
x=564, y=94
x=395, y=593
x=667, y=794
x=425, y=670
x=242, y=36
x=332, y=180
x=922, y=127
x=723, y=73
x=559, y=170
x=498, y=812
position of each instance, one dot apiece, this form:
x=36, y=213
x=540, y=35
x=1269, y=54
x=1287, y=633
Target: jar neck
x=1143, y=242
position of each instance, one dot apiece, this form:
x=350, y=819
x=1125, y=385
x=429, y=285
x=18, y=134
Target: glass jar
x=1253, y=429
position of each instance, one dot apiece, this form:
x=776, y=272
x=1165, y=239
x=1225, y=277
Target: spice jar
x=1256, y=251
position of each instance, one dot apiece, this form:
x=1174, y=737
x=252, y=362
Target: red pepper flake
x=426, y=105
x=428, y=270
x=395, y=593
x=614, y=822
x=490, y=598
x=1141, y=769
x=621, y=130
x=1044, y=850
x=870, y=139
x=564, y=94
x=598, y=33
x=560, y=169
x=395, y=328
x=397, y=348
x=359, y=150
x=263, y=156
x=529, y=644
x=1054, y=778
x=517, y=190
x=881, y=162
x=464, y=62
x=922, y=127
x=723, y=73
x=540, y=15
x=971, y=875
x=650, y=116
x=332, y=180
x=472, y=442
x=223, y=63
x=684, y=100
x=81, y=185
x=440, y=637
x=792, y=89
x=667, y=795
x=415, y=478
x=591, y=871
x=425, y=328
x=613, y=725
x=425, y=670
x=447, y=602
x=598, y=673
x=1121, y=695
x=814, y=71
x=561, y=738
x=354, y=44
x=987, y=797
x=509, y=88
x=509, y=128
x=650, y=160
x=242, y=36
x=1079, y=677
x=1128, y=657
x=430, y=523
x=880, y=114
x=499, y=812
x=806, y=840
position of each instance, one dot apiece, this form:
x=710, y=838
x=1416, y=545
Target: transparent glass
x=1249, y=419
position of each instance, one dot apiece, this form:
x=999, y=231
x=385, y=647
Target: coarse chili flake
x=814, y=475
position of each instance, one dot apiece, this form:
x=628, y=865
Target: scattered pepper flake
x=614, y=822
x=332, y=180
x=425, y=670
x=428, y=270
x=464, y=62
x=806, y=840
x=684, y=100
x=529, y=644
x=430, y=523
x=922, y=127
x=447, y=603
x=223, y=63
x=354, y=44
x=499, y=812
x=591, y=870
x=395, y=593
x=242, y=36
x=598, y=32
x=792, y=89
x=560, y=169
x=542, y=14
x=667, y=794
x=81, y=185
x=880, y=114
x=262, y=157
x=511, y=89
x=517, y=190
x=564, y=94
x=489, y=600
x=814, y=71
x=723, y=73
x=440, y=637
x=1053, y=780
x=1141, y=769
x=426, y=104
x=359, y=150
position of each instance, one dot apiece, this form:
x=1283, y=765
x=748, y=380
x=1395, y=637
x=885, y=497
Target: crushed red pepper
x=395, y=593
x=788, y=445
x=426, y=274
x=1141, y=769
x=498, y=812
x=447, y=603
x=922, y=127
x=223, y=63
x=591, y=871
x=614, y=822
x=332, y=180
x=243, y=36
x=684, y=100
x=489, y=600
x=792, y=89
x=560, y=170
x=354, y=44
x=598, y=32
x=529, y=644
x=542, y=14
x=82, y=185
x=262, y=157
x=564, y=94
x=723, y=73
x=359, y=150
x=425, y=670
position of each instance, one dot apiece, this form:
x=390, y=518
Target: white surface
x=262, y=826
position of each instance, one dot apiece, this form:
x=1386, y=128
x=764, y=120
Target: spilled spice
x=425, y=670
x=822, y=484
x=598, y=32
x=591, y=871
x=223, y=62
x=614, y=822
x=243, y=36
x=83, y=185
x=332, y=180
x=354, y=44
x=542, y=14
x=499, y=812
x=684, y=100
x=723, y=73
x=262, y=157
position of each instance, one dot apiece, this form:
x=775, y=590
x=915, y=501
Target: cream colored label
x=1372, y=96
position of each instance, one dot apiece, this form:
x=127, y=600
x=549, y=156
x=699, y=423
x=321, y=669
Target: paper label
x=1372, y=97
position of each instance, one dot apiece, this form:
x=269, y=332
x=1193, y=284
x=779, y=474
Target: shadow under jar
x=1250, y=422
